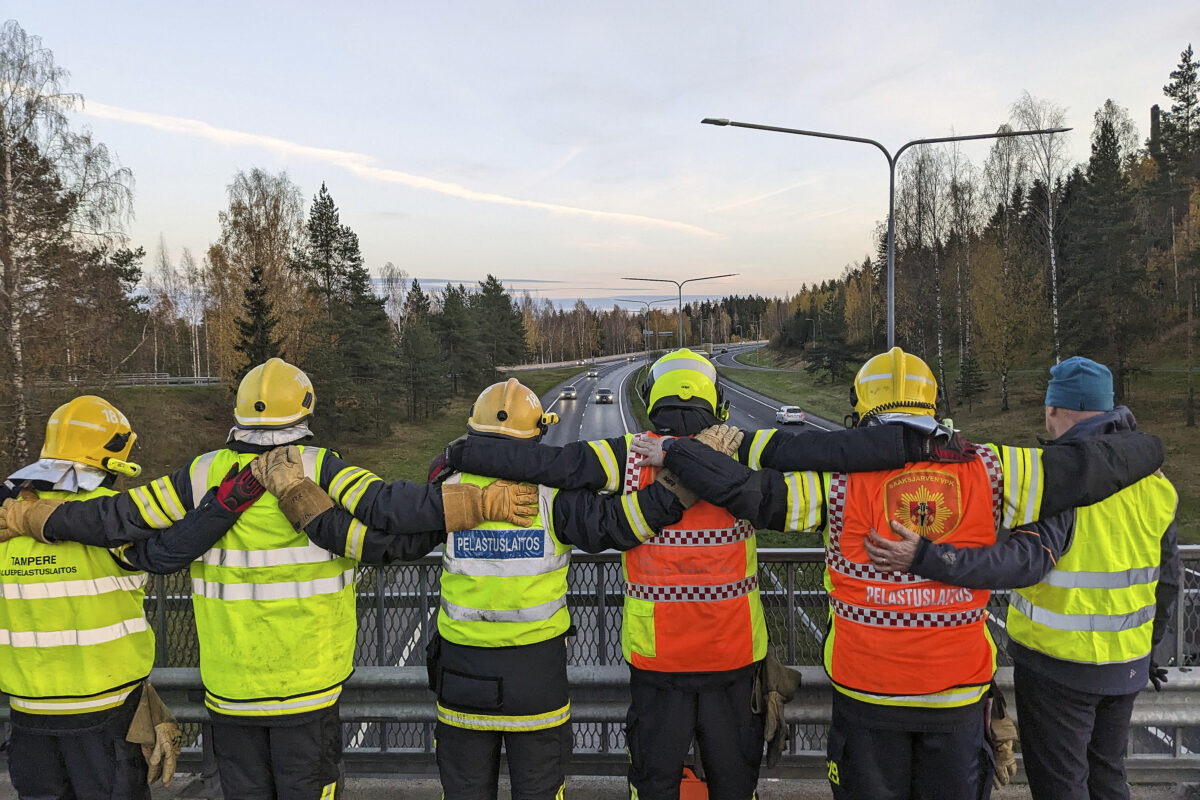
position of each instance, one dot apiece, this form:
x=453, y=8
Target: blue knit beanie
x=1080, y=384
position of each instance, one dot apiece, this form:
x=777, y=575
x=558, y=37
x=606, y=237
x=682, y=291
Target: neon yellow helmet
x=894, y=381
x=273, y=395
x=509, y=409
x=683, y=378
x=90, y=430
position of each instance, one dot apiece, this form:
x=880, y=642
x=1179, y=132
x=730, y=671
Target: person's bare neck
x=1061, y=420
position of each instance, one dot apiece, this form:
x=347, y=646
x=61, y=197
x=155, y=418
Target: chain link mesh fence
x=397, y=606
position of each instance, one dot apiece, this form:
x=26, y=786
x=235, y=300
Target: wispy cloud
x=759, y=198
x=360, y=165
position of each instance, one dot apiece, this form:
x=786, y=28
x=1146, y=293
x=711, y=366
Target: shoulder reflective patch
x=491, y=544
x=926, y=501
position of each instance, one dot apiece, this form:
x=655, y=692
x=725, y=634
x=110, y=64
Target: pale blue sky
x=561, y=141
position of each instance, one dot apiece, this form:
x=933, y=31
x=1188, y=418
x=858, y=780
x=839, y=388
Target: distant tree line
x=1026, y=256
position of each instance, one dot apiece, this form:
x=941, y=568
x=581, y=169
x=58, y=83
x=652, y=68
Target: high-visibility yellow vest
x=1097, y=605
x=275, y=614
x=73, y=634
x=503, y=585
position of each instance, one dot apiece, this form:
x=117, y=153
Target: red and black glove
x=940, y=446
x=239, y=489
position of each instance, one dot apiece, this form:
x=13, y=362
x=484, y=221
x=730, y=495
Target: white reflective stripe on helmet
x=256, y=559
x=73, y=638
x=532, y=614
x=79, y=588
x=1137, y=576
x=694, y=363
x=284, y=590
x=1106, y=623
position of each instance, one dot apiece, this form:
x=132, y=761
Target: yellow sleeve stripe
x=633, y=513
x=167, y=498
x=803, y=500
x=608, y=460
x=355, y=492
x=344, y=479
x=756, y=447
x=354, y=540
x=1022, y=485
x=149, y=508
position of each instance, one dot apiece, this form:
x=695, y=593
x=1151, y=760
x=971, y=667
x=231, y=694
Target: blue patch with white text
x=523, y=543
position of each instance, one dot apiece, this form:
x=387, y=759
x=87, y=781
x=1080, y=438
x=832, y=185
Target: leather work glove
x=778, y=685
x=465, y=506
x=26, y=516
x=1158, y=676
x=671, y=481
x=1002, y=735
x=154, y=728
x=240, y=489
x=722, y=438
x=279, y=469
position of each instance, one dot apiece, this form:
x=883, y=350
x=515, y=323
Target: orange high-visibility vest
x=691, y=593
x=897, y=633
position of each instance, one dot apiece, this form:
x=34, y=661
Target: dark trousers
x=876, y=763
x=669, y=709
x=1073, y=742
x=297, y=762
x=96, y=764
x=469, y=762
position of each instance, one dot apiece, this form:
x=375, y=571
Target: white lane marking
x=356, y=739
x=621, y=389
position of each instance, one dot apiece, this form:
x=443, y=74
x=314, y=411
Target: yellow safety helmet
x=273, y=395
x=893, y=381
x=509, y=409
x=90, y=430
x=684, y=378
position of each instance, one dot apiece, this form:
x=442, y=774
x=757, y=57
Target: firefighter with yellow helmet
x=75, y=647
x=910, y=659
x=275, y=613
x=693, y=629
x=498, y=660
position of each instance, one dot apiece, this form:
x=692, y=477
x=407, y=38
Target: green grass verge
x=1157, y=400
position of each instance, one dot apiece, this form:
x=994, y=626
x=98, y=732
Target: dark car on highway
x=604, y=396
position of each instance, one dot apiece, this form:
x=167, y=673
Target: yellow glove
x=465, y=506
x=515, y=503
x=278, y=469
x=26, y=517
x=1004, y=736
x=722, y=438
x=162, y=756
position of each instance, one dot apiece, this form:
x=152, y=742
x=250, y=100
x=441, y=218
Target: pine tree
x=1181, y=125
x=420, y=357
x=970, y=380
x=459, y=335
x=257, y=325
x=498, y=316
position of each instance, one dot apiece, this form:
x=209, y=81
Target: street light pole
x=645, y=341
x=891, y=159
x=679, y=285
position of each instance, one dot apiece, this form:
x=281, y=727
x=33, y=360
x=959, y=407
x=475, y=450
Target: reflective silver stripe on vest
x=1106, y=623
x=200, y=468
x=906, y=619
x=1137, y=576
x=79, y=638
x=532, y=614
x=285, y=590
x=283, y=556
x=740, y=532
x=79, y=588
x=505, y=567
x=676, y=594
x=200, y=476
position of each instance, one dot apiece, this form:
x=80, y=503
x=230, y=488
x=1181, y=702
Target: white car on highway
x=789, y=415
x=568, y=393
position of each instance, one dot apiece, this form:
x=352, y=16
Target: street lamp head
x=714, y=121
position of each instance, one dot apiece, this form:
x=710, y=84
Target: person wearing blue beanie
x=1080, y=384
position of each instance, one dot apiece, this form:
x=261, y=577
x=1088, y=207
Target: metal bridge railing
x=388, y=712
